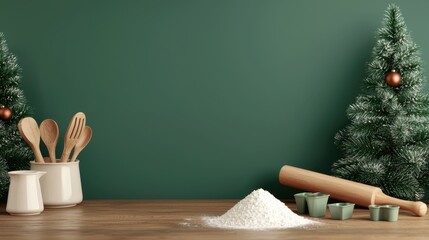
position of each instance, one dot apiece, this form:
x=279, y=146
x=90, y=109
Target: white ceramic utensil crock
x=61, y=187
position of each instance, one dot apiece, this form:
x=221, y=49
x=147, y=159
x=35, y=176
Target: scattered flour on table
x=258, y=211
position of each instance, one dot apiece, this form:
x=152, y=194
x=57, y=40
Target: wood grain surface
x=180, y=219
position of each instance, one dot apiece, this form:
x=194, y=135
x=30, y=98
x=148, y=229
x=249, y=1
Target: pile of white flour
x=258, y=211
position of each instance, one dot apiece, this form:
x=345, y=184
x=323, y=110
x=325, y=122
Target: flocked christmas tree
x=14, y=152
x=387, y=141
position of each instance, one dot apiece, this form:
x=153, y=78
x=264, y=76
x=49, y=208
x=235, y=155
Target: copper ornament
x=393, y=78
x=5, y=113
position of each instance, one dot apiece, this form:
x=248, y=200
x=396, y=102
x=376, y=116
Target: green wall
x=198, y=99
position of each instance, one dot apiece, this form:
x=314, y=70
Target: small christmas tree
x=14, y=152
x=387, y=141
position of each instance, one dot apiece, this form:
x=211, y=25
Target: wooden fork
x=74, y=130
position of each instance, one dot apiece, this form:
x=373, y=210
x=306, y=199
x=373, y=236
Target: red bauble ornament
x=393, y=78
x=5, y=113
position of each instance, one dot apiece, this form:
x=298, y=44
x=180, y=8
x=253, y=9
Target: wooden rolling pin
x=344, y=190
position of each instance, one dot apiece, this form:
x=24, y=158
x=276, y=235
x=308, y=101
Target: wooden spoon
x=84, y=139
x=30, y=132
x=74, y=130
x=49, y=134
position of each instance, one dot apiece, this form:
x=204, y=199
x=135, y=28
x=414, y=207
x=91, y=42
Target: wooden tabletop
x=180, y=219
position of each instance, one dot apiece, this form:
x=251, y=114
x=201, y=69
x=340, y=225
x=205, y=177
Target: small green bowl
x=384, y=212
x=341, y=211
x=374, y=212
x=389, y=213
x=317, y=203
x=301, y=203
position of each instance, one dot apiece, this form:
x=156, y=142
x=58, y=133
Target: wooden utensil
x=49, y=133
x=74, y=130
x=84, y=139
x=344, y=190
x=29, y=131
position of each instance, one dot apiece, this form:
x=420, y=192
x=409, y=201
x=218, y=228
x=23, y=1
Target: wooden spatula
x=74, y=130
x=49, y=134
x=29, y=131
